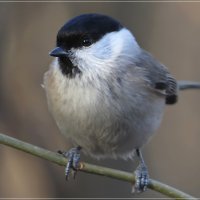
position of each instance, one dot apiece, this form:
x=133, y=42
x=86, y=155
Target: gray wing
x=158, y=77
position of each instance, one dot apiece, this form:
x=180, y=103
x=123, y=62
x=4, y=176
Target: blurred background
x=170, y=31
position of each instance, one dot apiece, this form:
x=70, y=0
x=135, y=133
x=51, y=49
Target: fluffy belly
x=103, y=125
x=103, y=132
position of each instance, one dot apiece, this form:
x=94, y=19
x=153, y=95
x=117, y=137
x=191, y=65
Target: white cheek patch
x=114, y=44
x=105, y=48
x=111, y=50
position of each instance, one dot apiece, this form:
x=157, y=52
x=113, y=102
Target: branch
x=89, y=168
x=183, y=85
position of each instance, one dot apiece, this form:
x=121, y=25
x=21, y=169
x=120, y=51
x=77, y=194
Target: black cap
x=86, y=29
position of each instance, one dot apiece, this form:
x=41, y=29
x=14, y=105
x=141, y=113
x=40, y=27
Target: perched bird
x=106, y=94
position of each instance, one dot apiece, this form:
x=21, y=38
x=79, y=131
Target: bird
x=106, y=93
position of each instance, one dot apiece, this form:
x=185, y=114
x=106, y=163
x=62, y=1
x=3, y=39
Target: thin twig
x=89, y=168
x=183, y=85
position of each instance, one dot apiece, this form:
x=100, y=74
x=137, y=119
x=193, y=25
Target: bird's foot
x=141, y=175
x=73, y=156
x=141, y=178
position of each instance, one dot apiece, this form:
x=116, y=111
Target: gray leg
x=73, y=156
x=141, y=175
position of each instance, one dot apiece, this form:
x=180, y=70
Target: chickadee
x=106, y=94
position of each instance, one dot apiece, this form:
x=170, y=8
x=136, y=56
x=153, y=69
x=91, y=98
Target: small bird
x=106, y=94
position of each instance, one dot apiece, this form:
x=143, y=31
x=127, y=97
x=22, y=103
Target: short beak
x=58, y=52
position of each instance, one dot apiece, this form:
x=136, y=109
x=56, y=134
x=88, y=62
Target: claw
x=141, y=176
x=73, y=156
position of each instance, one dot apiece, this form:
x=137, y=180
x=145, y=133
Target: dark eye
x=86, y=41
